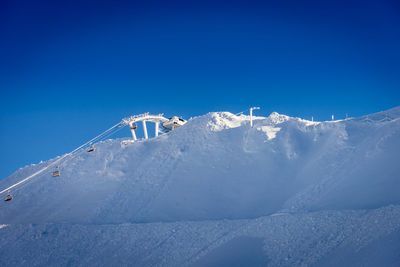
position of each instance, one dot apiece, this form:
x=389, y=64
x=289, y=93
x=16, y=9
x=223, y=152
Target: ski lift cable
x=102, y=138
x=114, y=131
x=58, y=160
x=111, y=131
x=34, y=174
x=95, y=138
x=108, y=135
x=241, y=112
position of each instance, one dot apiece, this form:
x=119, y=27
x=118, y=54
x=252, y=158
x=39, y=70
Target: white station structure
x=169, y=124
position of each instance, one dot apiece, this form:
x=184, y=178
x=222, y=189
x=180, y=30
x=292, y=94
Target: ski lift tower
x=169, y=124
x=251, y=115
x=146, y=117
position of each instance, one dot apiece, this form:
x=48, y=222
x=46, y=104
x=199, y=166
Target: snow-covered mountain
x=215, y=192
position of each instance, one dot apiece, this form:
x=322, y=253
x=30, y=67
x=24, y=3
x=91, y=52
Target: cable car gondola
x=133, y=126
x=8, y=197
x=56, y=172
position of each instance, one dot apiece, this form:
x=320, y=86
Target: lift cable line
x=169, y=124
x=113, y=131
x=241, y=112
x=58, y=160
x=34, y=174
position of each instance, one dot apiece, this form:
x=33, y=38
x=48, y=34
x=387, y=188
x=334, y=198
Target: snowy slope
x=294, y=191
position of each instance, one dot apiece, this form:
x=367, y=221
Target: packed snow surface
x=217, y=192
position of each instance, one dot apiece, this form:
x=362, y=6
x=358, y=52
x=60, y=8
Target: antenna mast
x=251, y=115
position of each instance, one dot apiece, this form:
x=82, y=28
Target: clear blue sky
x=70, y=69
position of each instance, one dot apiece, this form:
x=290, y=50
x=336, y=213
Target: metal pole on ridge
x=251, y=115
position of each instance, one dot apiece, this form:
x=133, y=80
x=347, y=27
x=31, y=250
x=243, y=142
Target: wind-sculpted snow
x=323, y=193
x=324, y=238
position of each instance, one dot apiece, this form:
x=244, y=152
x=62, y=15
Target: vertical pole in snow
x=312, y=118
x=132, y=131
x=251, y=115
x=145, y=130
x=333, y=117
x=157, y=125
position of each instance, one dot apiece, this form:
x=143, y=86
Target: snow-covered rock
x=297, y=192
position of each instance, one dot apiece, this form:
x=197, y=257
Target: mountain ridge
x=298, y=192
x=247, y=155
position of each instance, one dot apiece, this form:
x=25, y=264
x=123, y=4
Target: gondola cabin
x=8, y=197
